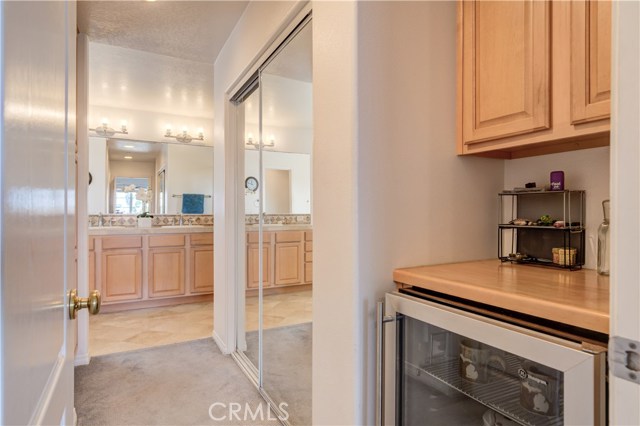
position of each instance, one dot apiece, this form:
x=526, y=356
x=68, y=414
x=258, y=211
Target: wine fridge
x=444, y=365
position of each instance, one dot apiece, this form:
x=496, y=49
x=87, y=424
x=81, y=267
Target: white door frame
x=624, y=396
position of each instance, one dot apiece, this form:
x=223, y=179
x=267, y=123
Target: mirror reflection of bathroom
x=155, y=273
x=276, y=333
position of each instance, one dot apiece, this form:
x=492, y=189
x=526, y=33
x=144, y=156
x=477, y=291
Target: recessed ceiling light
x=129, y=146
x=128, y=157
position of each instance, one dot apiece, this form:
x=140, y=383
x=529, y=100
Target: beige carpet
x=190, y=383
x=287, y=368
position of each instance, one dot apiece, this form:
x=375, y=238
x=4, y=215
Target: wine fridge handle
x=381, y=320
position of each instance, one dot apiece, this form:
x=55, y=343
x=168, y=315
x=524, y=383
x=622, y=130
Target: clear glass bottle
x=603, y=241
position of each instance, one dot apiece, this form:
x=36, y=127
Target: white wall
x=189, y=171
x=300, y=167
x=150, y=125
x=287, y=113
x=586, y=169
x=98, y=166
x=417, y=202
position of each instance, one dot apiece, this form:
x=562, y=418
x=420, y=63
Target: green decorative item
x=545, y=220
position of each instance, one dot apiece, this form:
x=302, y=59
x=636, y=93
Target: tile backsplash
x=158, y=219
x=196, y=219
x=279, y=219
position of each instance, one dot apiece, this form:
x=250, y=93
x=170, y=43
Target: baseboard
x=82, y=359
x=221, y=345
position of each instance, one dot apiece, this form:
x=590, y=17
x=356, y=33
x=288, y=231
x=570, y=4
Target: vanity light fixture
x=184, y=136
x=256, y=145
x=106, y=131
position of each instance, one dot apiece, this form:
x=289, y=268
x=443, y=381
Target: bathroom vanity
x=288, y=256
x=136, y=267
x=146, y=267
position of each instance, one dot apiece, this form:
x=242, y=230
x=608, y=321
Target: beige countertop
x=270, y=228
x=577, y=298
x=134, y=230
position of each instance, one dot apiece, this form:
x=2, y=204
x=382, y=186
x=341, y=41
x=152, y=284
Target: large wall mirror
x=132, y=177
x=287, y=137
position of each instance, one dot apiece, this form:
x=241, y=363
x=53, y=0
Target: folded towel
x=193, y=203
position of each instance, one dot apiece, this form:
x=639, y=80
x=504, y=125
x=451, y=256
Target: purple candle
x=557, y=181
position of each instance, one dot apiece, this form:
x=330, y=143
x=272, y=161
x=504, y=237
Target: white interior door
x=624, y=394
x=37, y=150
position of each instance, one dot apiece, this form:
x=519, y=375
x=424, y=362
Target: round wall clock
x=251, y=184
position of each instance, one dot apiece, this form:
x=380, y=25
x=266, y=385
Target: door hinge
x=624, y=358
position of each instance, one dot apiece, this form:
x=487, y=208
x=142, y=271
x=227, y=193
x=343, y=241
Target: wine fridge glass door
x=447, y=366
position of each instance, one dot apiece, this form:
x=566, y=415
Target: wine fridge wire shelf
x=501, y=395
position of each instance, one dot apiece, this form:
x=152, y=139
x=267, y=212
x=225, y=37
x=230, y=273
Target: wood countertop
x=576, y=298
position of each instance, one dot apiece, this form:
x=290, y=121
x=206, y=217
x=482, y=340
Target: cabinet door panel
x=505, y=68
x=202, y=270
x=166, y=272
x=590, y=60
x=252, y=265
x=122, y=275
x=289, y=263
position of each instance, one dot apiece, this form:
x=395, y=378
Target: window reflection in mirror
x=171, y=169
x=125, y=195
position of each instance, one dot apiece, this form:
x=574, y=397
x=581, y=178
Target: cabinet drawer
x=308, y=246
x=252, y=237
x=288, y=236
x=202, y=239
x=308, y=235
x=121, y=242
x=92, y=243
x=308, y=257
x=166, y=241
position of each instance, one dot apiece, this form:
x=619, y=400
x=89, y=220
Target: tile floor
x=143, y=328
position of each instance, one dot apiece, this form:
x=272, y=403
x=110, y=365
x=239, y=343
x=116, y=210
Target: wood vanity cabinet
x=253, y=247
x=308, y=257
x=533, y=76
x=92, y=265
x=121, y=265
x=287, y=259
x=201, y=263
x=166, y=265
x=148, y=270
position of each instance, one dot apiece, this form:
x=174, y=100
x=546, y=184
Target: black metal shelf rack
x=534, y=244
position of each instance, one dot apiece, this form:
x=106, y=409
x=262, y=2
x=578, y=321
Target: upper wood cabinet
x=533, y=76
x=505, y=72
x=590, y=60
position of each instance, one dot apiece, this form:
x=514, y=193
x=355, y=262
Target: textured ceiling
x=193, y=30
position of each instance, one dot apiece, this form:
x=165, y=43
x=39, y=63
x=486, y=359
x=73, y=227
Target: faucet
x=100, y=218
x=181, y=220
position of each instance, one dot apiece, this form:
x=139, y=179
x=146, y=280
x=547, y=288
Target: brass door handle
x=76, y=303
